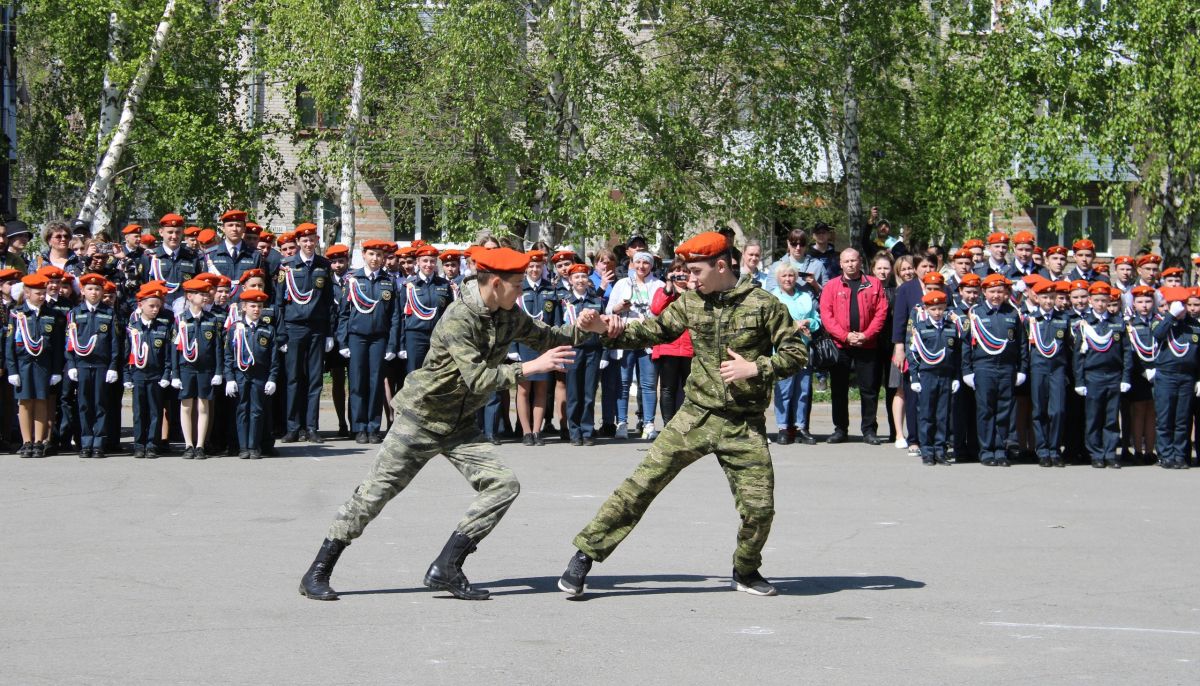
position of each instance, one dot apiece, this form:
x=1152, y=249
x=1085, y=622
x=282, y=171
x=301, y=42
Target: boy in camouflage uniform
x=744, y=340
x=436, y=414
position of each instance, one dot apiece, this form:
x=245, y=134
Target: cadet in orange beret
x=1050, y=350
x=1122, y=273
x=436, y=415
x=253, y=359
x=452, y=267
x=197, y=366
x=148, y=367
x=1176, y=364
x=1103, y=367
x=1084, y=252
x=424, y=298
x=34, y=348
x=995, y=363
x=335, y=365
x=933, y=350
x=996, y=261
x=726, y=395
x=1055, y=261
x=234, y=255
x=1023, y=261
x=1137, y=411
x=93, y=355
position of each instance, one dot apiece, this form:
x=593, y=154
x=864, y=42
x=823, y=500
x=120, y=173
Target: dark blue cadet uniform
x=35, y=346
x=963, y=421
x=220, y=260
x=198, y=354
x=583, y=375
x=934, y=352
x=173, y=268
x=66, y=427
x=996, y=354
x=1175, y=366
x=539, y=301
x=1050, y=349
x=1103, y=363
x=93, y=350
x=149, y=362
x=369, y=326
x=423, y=302
x=304, y=297
x=253, y=359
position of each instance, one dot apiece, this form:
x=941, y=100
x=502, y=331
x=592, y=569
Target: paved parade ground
x=132, y=572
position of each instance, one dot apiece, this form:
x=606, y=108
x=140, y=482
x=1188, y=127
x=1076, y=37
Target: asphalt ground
x=126, y=571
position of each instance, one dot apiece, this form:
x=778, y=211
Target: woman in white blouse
x=630, y=298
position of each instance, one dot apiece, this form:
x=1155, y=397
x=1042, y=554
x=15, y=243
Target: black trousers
x=865, y=365
x=305, y=353
x=672, y=373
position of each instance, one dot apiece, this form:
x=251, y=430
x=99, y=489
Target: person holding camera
x=674, y=359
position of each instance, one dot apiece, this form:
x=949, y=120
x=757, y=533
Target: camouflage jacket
x=746, y=319
x=467, y=361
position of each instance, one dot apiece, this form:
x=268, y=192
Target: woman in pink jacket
x=674, y=359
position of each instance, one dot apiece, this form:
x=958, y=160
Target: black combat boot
x=445, y=574
x=315, y=583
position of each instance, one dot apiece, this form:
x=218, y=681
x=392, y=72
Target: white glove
x=283, y=348
x=388, y=356
x=231, y=388
x=604, y=363
x=110, y=376
x=55, y=379
x=73, y=374
x=217, y=380
x=163, y=383
x=514, y=357
x=14, y=380
x=1149, y=374
x=345, y=352
x=128, y=384
x=329, y=344
x=969, y=380
x=916, y=386
x=1021, y=378
x=1198, y=389
x=1018, y=286
x=269, y=388
x=176, y=384
x=1125, y=387
x=403, y=354
x=954, y=386
x=1177, y=309
x=1081, y=390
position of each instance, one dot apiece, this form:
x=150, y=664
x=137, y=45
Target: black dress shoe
x=290, y=437
x=577, y=442
x=1098, y=464
x=377, y=437
x=314, y=437
x=1044, y=462
x=494, y=440
x=784, y=438
x=527, y=439
x=871, y=439
x=987, y=461
x=1002, y=462
x=244, y=455
x=343, y=431
x=941, y=458
x=1114, y=464
x=589, y=441
x=838, y=436
x=803, y=436
x=928, y=461
x=361, y=438
x=98, y=454
x=84, y=454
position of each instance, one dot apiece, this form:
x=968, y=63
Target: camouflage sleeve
x=542, y=337
x=666, y=327
x=462, y=343
x=791, y=353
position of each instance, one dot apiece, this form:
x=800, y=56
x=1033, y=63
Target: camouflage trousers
x=741, y=450
x=404, y=451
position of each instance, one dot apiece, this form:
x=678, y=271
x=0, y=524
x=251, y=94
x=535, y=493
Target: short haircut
x=798, y=236
x=53, y=228
x=785, y=267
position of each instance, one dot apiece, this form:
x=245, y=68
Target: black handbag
x=822, y=351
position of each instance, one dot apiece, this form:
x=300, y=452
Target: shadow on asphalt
x=660, y=584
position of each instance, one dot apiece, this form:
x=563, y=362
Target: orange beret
x=1196, y=261
x=1032, y=280
x=9, y=275
x=563, y=255
x=250, y=274
x=192, y=231
x=934, y=298
x=501, y=260
x=286, y=237
x=253, y=295
x=705, y=246
x=1024, y=237
x=578, y=269
x=450, y=255
x=234, y=216
x=1099, y=288
x=1080, y=285
x=171, y=219
x=933, y=279
x=375, y=244
x=1148, y=259
x=997, y=237
x=1037, y=250
x=305, y=229
x=35, y=281
x=150, y=290
x=1056, y=250
x=406, y=251
x=224, y=281
x=253, y=229
x=970, y=280
x=266, y=237
x=537, y=255
x=992, y=280
x=425, y=251
x=1102, y=268
x=963, y=254
x=1123, y=259
x=1083, y=244
x=207, y=236
x=92, y=279
x=109, y=286
x=131, y=228
x=1171, y=271
x=1173, y=294
x=1062, y=286
x=197, y=286
x=1194, y=293
x=1142, y=292
x=416, y=243
x=51, y=272
x=972, y=244
x=210, y=278
x=1114, y=292
x=148, y=240
x=337, y=250
x=390, y=247
x=1043, y=286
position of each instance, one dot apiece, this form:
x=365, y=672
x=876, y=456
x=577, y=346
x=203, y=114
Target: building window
x=309, y=116
x=1063, y=225
x=649, y=13
x=427, y=217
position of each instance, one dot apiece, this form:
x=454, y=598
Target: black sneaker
x=527, y=439
x=98, y=454
x=753, y=583
x=538, y=440
x=199, y=454
x=574, y=579
x=189, y=452
x=361, y=438
x=26, y=450
x=151, y=453
x=589, y=441
x=244, y=455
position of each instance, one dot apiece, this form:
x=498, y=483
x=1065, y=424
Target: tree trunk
x=350, y=163
x=1175, y=241
x=852, y=162
x=99, y=189
x=110, y=112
